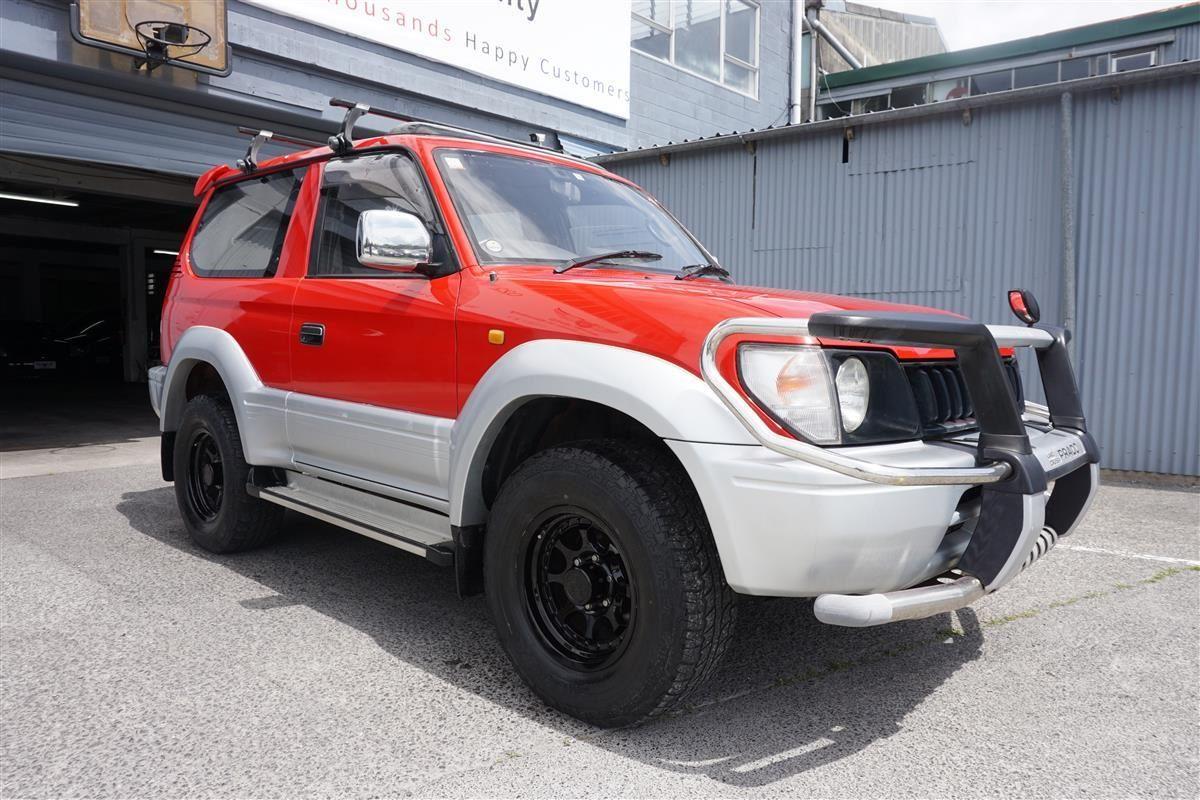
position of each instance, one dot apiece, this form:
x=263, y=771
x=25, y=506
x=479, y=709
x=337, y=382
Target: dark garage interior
x=85, y=254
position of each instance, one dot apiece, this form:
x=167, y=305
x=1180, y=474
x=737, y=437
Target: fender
x=259, y=409
x=667, y=399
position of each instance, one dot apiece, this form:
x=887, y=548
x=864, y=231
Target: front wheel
x=210, y=481
x=604, y=581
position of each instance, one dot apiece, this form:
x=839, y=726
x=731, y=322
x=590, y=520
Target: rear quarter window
x=241, y=232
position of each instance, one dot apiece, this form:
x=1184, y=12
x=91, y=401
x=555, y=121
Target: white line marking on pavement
x=1126, y=554
x=761, y=763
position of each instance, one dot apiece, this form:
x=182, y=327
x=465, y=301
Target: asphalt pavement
x=133, y=664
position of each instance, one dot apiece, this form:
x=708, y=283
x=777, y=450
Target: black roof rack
x=343, y=140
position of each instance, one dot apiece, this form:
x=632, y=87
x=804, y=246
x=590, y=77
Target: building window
x=1075, y=68
x=869, y=105
x=951, y=89
x=715, y=39
x=1035, y=75
x=905, y=96
x=833, y=110
x=1123, y=62
x=991, y=82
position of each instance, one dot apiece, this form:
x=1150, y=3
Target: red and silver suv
x=519, y=365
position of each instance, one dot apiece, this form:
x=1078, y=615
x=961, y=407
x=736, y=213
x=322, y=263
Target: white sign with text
x=574, y=50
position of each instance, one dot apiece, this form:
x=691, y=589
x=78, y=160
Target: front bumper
x=876, y=520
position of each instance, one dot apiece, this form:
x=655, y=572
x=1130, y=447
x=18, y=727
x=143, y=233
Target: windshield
x=519, y=209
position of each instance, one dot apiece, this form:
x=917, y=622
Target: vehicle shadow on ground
x=791, y=696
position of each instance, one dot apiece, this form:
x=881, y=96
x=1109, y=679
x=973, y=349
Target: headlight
x=831, y=397
x=793, y=384
x=854, y=393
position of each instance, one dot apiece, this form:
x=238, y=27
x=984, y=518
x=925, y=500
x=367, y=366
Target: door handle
x=312, y=333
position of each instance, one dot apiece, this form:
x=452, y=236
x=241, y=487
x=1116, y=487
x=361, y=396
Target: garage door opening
x=85, y=254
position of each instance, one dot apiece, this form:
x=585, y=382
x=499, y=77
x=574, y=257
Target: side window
x=241, y=232
x=354, y=185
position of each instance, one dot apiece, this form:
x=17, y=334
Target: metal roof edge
x=863, y=10
x=1098, y=83
x=1112, y=29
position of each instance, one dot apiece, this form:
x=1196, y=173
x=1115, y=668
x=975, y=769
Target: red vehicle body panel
x=422, y=345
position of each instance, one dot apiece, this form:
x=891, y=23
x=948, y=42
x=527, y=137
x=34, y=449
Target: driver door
x=373, y=359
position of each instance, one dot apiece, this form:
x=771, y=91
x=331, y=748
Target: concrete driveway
x=134, y=664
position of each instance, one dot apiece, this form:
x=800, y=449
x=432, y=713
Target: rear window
x=242, y=230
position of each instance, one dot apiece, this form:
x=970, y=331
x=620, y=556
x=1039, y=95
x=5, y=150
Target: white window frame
x=1118, y=55
x=669, y=30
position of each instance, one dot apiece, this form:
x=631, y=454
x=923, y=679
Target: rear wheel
x=210, y=482
x=604, y=582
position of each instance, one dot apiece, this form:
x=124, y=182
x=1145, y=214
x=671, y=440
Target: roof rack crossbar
x=418, y=125
x=249, y=162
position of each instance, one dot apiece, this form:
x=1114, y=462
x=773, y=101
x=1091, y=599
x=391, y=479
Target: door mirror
x=393, y=240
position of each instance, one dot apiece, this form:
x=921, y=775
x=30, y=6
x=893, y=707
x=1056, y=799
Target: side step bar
x=411, y=528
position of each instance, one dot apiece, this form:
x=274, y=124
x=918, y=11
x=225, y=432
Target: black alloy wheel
x=210, y=480
x=603, y=580
x=205, y=476
x=578, y=589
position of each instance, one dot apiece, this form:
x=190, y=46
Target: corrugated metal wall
x=940, y=212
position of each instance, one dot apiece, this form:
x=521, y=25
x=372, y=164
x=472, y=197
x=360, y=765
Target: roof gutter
x=1050, y=90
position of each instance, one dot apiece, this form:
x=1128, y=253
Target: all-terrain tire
x=208, y=445
x=682, y=610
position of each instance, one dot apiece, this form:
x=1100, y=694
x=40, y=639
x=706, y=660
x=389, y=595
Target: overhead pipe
x=814, y=24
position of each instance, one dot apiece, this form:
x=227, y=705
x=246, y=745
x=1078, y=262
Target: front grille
x=943, y=402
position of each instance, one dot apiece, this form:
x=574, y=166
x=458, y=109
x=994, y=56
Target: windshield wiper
x=644, y=255
x=700, y=270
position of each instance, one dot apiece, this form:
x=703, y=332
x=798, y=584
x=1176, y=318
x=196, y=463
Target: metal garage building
x=1085, y=191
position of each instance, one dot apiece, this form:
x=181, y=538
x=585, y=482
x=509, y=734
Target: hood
x=660, y=315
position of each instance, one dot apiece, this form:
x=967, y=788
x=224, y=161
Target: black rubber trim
x=468, y=559
x=1068, y=499
x=166, y=455
x=1001, y=520
x=1058, y=381
x=1091, y=456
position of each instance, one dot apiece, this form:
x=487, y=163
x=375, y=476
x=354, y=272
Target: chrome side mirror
x=393, y=240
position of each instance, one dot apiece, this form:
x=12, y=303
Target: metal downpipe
x=1068, y=288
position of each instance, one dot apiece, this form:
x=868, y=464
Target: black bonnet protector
x=1002, y=435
